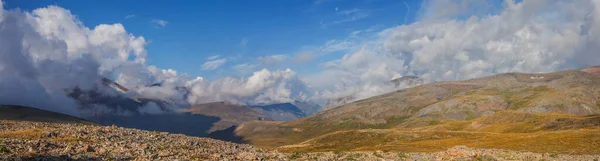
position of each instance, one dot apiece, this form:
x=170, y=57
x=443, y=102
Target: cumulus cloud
x=272, y=59
x=453, y=40
x=47, y=51
x=160, y=22
x=213, y=64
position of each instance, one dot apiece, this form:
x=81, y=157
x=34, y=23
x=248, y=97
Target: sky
x=184, y=35
x=280, y=51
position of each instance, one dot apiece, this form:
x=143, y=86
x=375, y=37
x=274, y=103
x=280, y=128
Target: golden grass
x=23, y=134
x=36, y=134
x=544, y=133
x=583, y=141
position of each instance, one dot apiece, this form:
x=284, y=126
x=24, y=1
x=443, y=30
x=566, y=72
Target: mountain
x=307, y=108
x=229, y=114
x=517, y=111
x=592, y=70
x=212, y=119
x=21, y=113
x=114, y=100
x=280, y=112
x=401, y=82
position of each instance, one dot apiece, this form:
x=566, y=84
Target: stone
x=88, y=148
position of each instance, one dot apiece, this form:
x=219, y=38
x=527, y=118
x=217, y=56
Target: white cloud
x=46, y=51
x=213, y=64
x=129, y=16
x=213, y=57
x=337, y=45
x=160, y=22
x=272, y=59
x=529, y=36
x=349, y=16
x=263, y=87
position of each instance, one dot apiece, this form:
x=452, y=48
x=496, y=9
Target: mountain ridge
x=572, y=93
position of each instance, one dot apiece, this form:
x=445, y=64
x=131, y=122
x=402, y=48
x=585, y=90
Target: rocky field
x=24, y=140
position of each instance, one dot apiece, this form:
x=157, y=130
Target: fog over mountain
x=47, y=51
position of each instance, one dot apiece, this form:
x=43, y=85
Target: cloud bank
x=47, y=52
x=453, y=40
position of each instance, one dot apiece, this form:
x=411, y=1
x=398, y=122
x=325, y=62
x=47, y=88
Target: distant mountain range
x=207, y=119
x=518, y=111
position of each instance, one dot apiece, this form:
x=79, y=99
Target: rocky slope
x=505, y=103
x=36, y=140
x=24, y=140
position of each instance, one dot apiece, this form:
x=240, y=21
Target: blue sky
x=237, y=30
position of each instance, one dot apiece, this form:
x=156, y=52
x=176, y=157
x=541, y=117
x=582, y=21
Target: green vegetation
x=4, y=149
x=553, y=155
x=402, y=155
x=522, y=98
x=294, y=156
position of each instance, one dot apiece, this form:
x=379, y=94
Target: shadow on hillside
x=64, y=157
x=227, y=135
x=185, y=123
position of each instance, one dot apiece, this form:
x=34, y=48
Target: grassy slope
x=20, y=113
x=555, y=133
x=530, y=112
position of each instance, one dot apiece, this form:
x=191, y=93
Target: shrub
x=402, y=155
x=294, y=156
x=4, y=149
